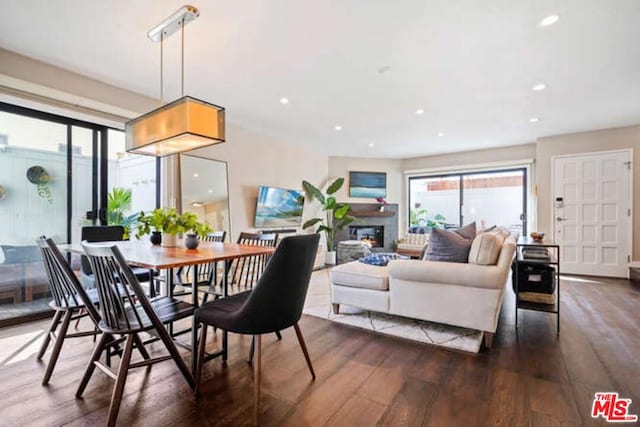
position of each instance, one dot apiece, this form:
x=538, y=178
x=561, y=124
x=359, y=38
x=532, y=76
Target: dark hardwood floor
x=529, y=377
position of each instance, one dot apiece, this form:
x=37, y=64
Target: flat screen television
x=278, y=207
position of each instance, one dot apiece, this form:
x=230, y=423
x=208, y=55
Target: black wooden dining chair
x=110, y=233
x=121, y=315
x=207, y=273
x=70, y=302
x=242, y=273
x=274, y=304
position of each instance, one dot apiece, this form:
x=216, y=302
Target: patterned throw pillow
x=380, y=259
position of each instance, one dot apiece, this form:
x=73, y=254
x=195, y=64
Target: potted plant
x=336, y=215
x=193, y=229
x=165, y=224
x=118, y=204
x=165, y=221
x=38, y=176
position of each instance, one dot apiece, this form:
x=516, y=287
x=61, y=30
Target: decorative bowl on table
x=537, y=237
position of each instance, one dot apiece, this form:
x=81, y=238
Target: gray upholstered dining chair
x=274, y=304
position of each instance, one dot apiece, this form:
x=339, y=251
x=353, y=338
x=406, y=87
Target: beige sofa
x=466, y=295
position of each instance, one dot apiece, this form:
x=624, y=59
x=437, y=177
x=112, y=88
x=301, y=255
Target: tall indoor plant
x=336, y=215
x=119, y=202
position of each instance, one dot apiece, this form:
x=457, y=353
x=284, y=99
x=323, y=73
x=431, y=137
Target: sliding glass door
x=496, y=197
x=33, y=202
x=58, y=175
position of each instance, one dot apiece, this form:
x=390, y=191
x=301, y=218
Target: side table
x=553, y=260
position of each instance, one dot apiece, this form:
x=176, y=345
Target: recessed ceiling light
x=538, y=87
x=534, y=119
x=549, y=20
x=371, y=144
x=195, y=175
x=284, y=100
x=210, y=191
x=338, y=128
x=419, y=111
x=440, y=133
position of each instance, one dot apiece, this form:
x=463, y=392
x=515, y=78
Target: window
x=489, y=198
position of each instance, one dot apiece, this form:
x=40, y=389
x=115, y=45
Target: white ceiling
x=469, y=64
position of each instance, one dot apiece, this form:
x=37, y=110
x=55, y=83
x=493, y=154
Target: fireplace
x=373, y=234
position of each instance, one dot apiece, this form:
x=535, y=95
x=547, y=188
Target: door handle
x=561, y=219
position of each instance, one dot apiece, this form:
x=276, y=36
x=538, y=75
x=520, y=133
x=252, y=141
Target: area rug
x=318, y=304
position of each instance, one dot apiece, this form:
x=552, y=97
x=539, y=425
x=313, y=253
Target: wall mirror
x=205, y=191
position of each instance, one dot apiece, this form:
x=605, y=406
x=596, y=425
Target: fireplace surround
x=368, y=215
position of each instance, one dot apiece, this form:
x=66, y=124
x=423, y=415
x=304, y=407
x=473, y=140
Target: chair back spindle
x=120, y=313
x=65, y=287
x=245, y=272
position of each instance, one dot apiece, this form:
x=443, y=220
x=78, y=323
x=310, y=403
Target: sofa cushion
x=485, y=249
x=451, y=246
x=447, y=273
x=359, y=275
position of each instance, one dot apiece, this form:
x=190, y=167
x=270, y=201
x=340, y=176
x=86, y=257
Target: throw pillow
x=380, y=259
x=468, y=231
x=485, y=249
x=451, y=246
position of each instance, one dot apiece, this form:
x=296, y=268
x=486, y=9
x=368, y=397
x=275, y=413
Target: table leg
x=225, y=273
x=194, y=326
x=152, y=288
x=168, y=291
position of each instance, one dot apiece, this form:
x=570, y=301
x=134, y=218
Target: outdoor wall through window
x=57, y=175
x=496, y=197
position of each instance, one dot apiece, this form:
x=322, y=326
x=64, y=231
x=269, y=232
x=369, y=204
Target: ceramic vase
x=169, y=240
x=191, y=241
x=156, y=237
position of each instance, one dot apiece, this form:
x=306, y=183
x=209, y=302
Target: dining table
x=140, y=253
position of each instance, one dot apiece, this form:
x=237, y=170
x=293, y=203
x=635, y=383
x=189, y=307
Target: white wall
x=586, y=142
x=466, y=158
x=256, y=159
x=339, y=167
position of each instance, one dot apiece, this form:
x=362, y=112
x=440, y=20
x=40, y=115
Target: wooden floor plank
x=531, y=376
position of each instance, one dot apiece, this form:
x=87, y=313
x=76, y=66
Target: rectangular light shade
x=182, y=125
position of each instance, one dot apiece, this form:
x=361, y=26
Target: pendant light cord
x=161, y=63
x=182, y=59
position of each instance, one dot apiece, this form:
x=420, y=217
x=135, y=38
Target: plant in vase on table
x=194, y=229
x=165, y=224
x=336, y=215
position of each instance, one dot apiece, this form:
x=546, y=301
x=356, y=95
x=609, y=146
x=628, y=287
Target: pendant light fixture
x=184, y=124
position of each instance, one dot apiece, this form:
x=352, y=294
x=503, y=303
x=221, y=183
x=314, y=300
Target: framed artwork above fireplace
x=368, y=185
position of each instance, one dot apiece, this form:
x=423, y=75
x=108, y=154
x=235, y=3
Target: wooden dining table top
x=142, y=253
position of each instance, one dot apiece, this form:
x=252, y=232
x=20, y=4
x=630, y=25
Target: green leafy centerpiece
x=165, y=224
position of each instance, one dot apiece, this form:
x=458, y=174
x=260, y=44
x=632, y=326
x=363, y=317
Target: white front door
x=592, y=213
